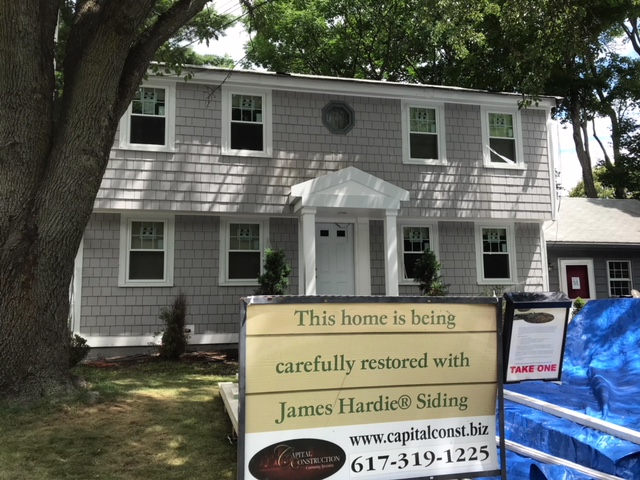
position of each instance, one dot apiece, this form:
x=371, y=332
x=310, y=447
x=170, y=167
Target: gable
x=348, y=188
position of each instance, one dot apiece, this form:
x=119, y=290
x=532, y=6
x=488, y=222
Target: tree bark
x=51, y=168
x=577, y=123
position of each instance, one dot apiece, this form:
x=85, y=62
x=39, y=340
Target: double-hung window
x=146, y=251
x=243, y=242
x=619, y=278
x=149, y=122
x=496, y=254
x=414, y=240
x=423, y=133
x=502, y=138
x=246, y=122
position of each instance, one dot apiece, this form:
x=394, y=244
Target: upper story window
x=496, y=255
x=619, y=278
x=502, y=138
x=415, y=239
x=246, y=123
x=149, y=123
x=423, y=133
x=243, y=242
x=146, y=251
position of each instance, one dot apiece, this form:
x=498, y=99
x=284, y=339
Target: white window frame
x=609, y=279
x=225, y=223
x=440, y=131
x=433, y=242
x=511, y=247
x=267, y=122
x=170, y=121
x=517, y=134
x=125, y=247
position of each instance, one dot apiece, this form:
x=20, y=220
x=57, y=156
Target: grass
x=151, y=420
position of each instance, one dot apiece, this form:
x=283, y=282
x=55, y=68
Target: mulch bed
x=229, y=357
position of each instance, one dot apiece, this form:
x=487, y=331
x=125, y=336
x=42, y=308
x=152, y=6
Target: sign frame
x=521, y=304
x=307, y=300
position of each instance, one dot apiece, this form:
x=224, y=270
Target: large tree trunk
x=52, y=159
x=578, y=126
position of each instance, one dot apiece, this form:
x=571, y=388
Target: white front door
x=335, y=270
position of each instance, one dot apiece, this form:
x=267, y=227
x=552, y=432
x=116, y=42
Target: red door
x=578, y=281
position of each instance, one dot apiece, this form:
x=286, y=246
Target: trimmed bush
x=78, y=349
x=275, y=279
x=174, y=338
x=426, y=272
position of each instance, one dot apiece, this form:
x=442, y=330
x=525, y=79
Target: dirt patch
x=229, y=357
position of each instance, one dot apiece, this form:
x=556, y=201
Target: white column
x=308, y=250
x=391, y=253
x=363, y=257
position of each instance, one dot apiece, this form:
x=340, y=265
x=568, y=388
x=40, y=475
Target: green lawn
x=151, y=420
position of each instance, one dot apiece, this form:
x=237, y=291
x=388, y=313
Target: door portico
x=347, y=197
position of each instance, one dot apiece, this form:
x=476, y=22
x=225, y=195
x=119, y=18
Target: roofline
x=356, y=87
x=560, y=243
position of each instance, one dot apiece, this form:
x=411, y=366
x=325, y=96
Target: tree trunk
x=584, y=157
x=52, y=164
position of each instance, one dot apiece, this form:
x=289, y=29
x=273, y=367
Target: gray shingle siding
x=197, y=178
x=199, y=185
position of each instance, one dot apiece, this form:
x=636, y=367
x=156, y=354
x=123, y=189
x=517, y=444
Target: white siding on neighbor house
x=196, y=178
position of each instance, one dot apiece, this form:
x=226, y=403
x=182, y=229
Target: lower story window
x=146, y=255
x=495, y=254
x=243, y=242
x=415, y=240
x=619, y=274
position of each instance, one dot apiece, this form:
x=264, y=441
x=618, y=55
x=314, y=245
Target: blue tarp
x=600, y=378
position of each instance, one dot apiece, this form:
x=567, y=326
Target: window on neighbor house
x=423, y=128
x=501, y=139
x=242, y=243
x=496, y=254
x=415, y=240
x=149, y=123
x=619, y=278
x=246, y=129
x=146, y=252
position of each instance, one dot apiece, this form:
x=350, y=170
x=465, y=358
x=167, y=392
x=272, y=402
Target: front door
x=335, y=270
x=576, y=278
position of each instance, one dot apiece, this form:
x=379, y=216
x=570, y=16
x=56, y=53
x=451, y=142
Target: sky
x=568, y=166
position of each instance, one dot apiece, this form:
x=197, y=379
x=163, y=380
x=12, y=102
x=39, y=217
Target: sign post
x=369, y=387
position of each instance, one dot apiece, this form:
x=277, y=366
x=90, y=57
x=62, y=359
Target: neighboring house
x=593, y=247
x=353, y=179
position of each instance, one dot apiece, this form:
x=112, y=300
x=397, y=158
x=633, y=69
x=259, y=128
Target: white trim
x=169, y=115
x=588, y=262
x=433, y=243
x=125, y=244
x=553, y=149
x=365, y=88
x=517, y=135
x=609, y=279
x=267, y=121
x=440, y=132
x=105, y=341
x=224, y=248
x=511, y=251
x=362, y=258
x=76, y=296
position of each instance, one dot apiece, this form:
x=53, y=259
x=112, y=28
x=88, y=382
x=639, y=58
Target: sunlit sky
x=570, y=173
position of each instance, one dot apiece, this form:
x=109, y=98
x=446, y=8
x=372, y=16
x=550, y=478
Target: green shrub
x=578, y=303
x=174, y=338
x=426, y=272
x=275, y=279
x=78, y=349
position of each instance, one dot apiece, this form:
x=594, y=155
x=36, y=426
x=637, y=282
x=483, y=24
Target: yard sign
x=368, y=387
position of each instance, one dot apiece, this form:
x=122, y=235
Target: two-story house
x=353, y=179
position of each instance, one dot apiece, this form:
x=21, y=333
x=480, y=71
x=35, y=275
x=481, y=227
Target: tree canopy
x=561, y=48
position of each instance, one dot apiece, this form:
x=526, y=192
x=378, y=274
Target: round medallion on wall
x=338, y=117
